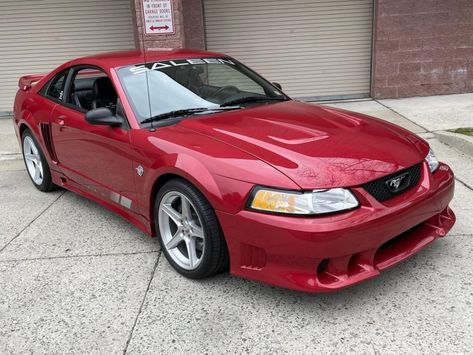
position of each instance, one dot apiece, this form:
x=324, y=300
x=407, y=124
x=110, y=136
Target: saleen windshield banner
x=179, y=63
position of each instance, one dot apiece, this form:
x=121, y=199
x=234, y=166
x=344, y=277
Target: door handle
x=60, y=121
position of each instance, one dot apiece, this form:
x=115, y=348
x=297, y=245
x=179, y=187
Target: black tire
x=215, y=259
x=47, y=184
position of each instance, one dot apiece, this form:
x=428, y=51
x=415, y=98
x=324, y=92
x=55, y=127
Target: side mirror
x=277, y=85
x=103, y=116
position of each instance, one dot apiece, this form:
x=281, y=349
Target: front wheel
x=188, y=231
x=36, y=163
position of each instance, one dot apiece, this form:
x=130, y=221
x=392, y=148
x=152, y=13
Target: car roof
x=122, y=58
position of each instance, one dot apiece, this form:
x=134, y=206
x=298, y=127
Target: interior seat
x=74, y=97
x=104, y=94
x=189, y=77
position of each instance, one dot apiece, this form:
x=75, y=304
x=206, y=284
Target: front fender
x=193, y=170
x=222, y=173
x=223, y=193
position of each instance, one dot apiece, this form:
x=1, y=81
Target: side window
x=92, y=88
x=56, y=87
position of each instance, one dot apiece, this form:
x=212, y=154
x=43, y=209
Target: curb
x=10, y=156
x=458, y=141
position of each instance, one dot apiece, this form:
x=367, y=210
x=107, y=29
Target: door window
x=91, y=88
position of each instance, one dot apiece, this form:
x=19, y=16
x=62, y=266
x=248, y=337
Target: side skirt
x=138, y=220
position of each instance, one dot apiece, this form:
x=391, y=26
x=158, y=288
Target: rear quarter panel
x=31, y=109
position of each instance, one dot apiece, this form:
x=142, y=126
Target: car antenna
x=143, y=30
x=152, y=129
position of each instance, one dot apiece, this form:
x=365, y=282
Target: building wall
x=422, y=47
x=189, y=23
x=194, y=33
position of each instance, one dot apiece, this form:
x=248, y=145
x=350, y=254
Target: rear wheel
x=188, y=231
x=36, y=163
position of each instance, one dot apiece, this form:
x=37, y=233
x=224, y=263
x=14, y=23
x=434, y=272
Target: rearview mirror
x=277, y=85
x=102, y=116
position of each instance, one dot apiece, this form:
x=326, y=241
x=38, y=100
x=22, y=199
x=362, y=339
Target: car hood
x=315, y=146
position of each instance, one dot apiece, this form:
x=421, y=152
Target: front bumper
x=320, y=254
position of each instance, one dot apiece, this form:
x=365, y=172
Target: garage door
x=38, y=35
x=317, y=49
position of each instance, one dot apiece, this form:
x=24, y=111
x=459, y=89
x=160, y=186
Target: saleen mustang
x=229, y=172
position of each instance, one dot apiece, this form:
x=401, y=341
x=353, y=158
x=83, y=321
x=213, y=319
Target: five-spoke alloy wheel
x=181, y=230
x=36, y=163
x=188, y=230
x=33, y=160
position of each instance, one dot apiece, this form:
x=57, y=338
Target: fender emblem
x=139, y=170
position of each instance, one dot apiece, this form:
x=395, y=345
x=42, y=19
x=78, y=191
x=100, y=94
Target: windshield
x=157, y=88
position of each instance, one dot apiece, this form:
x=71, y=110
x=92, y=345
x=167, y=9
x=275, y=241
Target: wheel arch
x=159, y=182
x=27, y=122
x=22, y=128
x=209, y=189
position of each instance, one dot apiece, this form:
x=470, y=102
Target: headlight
x=307, y=203
x=432, y=160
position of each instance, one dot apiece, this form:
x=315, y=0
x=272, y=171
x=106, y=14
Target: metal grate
x=379, y=188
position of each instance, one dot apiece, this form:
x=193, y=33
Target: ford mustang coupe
x=229, y=172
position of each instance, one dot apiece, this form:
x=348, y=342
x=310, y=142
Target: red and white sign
x=158, y=17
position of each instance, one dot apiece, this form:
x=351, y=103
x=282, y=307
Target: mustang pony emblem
x=399, y=182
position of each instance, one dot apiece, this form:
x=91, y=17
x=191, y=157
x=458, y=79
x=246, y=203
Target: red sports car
x=229, y=172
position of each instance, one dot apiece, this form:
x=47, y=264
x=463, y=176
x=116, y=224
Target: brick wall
x=422, y=47
x=193, y=14
x=188, y=20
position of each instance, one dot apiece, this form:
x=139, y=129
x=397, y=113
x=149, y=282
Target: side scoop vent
x=46, y=133
x=252, y=257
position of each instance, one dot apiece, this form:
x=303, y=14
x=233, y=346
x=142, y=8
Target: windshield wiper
x=252, y=99
x=175, y=113
x=185, y=112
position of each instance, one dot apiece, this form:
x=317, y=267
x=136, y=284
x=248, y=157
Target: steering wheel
x=223, y=92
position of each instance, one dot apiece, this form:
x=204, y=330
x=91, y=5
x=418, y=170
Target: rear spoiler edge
x=28, y=81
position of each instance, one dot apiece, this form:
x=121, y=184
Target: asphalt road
x=76, y=278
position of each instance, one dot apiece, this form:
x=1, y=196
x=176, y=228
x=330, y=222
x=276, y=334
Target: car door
x=95, y=158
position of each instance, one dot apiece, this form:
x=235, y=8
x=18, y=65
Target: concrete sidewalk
x=76, y=278
x=419, y=114
x=8, y=142
x=426, y=116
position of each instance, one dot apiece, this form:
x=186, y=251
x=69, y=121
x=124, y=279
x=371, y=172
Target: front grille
x=379, y=189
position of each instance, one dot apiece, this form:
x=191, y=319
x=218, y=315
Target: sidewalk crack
x=78, y=256
x=32, y=221
x=464, y=184
x=407, y=118
x=142, y=304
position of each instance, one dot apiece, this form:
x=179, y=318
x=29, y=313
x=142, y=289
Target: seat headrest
x=188, y=76
x=103, y=88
